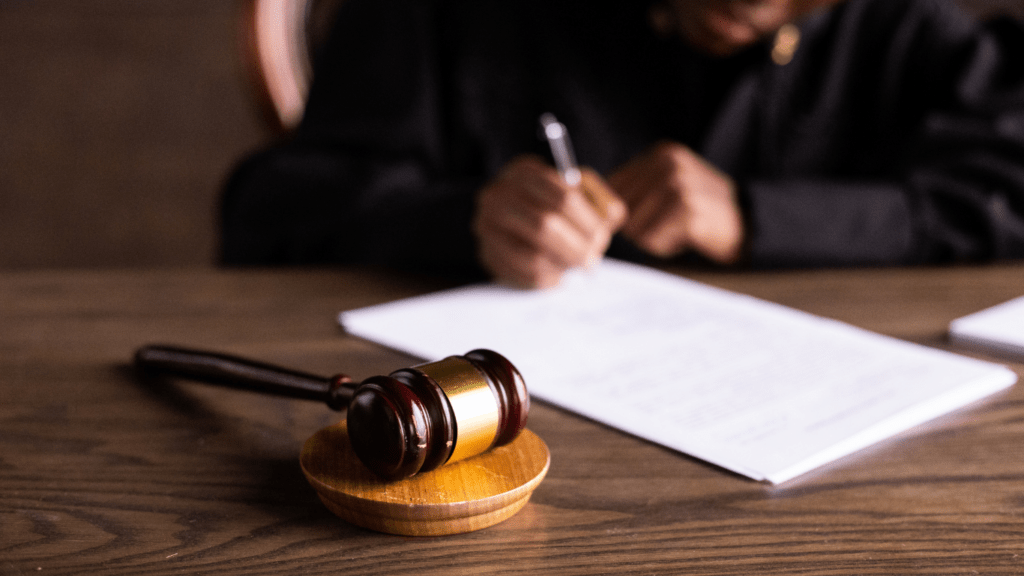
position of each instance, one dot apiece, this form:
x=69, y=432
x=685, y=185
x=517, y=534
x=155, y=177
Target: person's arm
x=913, y=153
x=956, y=185
x=366, y=177
x=305, y=205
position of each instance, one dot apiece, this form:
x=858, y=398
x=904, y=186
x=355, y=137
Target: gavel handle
x=235, y=372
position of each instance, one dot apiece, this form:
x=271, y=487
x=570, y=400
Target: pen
x=561, y=149
x=565, y=161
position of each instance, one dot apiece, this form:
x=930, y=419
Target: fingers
x=532, y=227
x=532, y=204
x=678, y=201
x=661, y=226
x=607, y=204
x=652, y=185
x=718, y=231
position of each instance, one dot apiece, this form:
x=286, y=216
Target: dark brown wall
x=119, y=120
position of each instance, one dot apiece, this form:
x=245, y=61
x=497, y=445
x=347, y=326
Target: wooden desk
x=100, y=473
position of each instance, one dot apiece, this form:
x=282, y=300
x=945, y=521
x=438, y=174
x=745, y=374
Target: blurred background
x=120, y=120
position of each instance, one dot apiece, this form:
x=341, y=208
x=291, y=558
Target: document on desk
x=999, y=328
x=758, y=388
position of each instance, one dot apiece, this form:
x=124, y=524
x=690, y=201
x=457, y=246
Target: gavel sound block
x=439, y=448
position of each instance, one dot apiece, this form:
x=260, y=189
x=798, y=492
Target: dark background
x=119, y=121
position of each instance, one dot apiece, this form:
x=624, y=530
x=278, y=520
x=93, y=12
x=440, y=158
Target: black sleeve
x=940, y=179
x=364, y=179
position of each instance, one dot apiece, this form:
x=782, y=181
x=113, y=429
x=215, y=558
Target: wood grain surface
x=102, y=472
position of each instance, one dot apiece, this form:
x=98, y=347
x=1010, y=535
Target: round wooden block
x=460, y=497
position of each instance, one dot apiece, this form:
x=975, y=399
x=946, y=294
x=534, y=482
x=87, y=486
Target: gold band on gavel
x=473, y=403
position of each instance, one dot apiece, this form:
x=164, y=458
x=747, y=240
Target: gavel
x=413, y=420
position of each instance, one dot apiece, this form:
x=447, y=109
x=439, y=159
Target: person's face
x=723, y=27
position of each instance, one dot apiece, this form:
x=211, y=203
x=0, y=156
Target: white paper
x=1000, y=328
x=754, y=387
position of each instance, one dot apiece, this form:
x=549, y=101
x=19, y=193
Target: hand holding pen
x=534, y=222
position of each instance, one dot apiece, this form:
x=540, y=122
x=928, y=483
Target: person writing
x=762, y=133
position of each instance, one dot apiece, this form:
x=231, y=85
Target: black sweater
x=894, y=136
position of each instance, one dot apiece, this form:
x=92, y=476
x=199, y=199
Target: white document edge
x=948, y=402
x=984, y=330
x=941, y=405
x=713, y=456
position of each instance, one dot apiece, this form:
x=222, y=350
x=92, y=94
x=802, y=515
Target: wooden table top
x=103, y=473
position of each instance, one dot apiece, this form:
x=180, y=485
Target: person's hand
x=532, y=227
x=677, y=202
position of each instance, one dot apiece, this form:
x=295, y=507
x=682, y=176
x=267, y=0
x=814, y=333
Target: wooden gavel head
x=419, y=418
x=413, y=420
